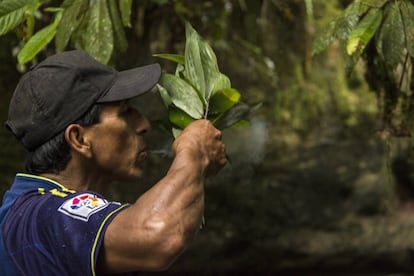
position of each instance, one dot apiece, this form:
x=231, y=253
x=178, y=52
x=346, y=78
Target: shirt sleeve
x=57, y=234
x=82, y=220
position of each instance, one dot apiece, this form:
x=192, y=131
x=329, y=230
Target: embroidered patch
x=83, y=206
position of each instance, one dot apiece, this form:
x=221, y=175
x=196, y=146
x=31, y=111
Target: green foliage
x=391, y=38
x=38, y=41
x=183, y=95
x=363, y=21
x=364, y=31
x=198, y=89
x=381, y=32
x=12, y=14
x=96, y=26
x=97, y=35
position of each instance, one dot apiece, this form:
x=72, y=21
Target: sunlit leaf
x=183, y=95
x=99, y=42
x=193, y=62
x=39, y=40
x=364, y=31
x=339, y=28
x=198, y=89
x=125, y=9
x=171, y=57
x=164, y=95
x=223, y=100
x=221, y=82
x=179, y=118
x=211, y=71
x=346, y=22
x=70, y=21
x=121, y=42
x=11, y=14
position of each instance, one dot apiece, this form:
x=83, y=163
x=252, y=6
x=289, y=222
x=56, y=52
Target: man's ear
x=75, y=137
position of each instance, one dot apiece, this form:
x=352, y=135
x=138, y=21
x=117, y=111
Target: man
x=72, y=115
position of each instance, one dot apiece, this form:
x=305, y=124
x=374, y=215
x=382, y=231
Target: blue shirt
x=47, y=229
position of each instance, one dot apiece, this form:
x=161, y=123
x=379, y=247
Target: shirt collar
x=25, y=182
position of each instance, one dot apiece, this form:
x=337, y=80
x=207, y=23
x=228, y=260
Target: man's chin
x=136, y=175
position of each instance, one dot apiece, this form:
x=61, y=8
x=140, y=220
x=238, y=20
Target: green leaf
x=201, y=64
x=193, y=62
x=221, y=82
x=211, y=71
x=39, y=40
x=340, y=28
x=30, y=21
x=350, y=61
x=364, y=31
x=237, y=113
x=391, y=40
x=72, y=16
x=375, y=3
x=12, y=14
x=171, y=57
x=179, y=118
x=223, y=100
x=179, y=71
x=183, y=95
x=176, y=132
x=324, y=39
x=164, y=96
x=121, y=42
x=345, y=23
x=79, y=36
x=9, y=6
x=125, y=8
x=98, y=39
x=407, y=10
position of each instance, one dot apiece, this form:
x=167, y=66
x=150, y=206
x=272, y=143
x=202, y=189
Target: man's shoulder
x=43, y=205
x=82, y=205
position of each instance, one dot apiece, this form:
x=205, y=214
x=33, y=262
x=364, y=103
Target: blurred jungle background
x=321, y=182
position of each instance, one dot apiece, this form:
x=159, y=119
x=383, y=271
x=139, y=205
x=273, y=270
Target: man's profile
x=73, y=117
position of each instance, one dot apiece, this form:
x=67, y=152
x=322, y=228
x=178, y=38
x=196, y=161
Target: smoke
x=244, y=145
x=247, y=144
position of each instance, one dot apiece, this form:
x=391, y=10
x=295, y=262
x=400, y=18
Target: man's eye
x=125, y=108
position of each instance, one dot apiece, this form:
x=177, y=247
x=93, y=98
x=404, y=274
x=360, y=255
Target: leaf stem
x=207, y=108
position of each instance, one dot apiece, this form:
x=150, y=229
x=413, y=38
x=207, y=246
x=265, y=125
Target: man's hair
x=54, y=155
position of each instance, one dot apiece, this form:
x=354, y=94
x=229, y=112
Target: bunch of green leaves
x=381, y=32
x=198, y=90
x=96, y=26
x=388, y=24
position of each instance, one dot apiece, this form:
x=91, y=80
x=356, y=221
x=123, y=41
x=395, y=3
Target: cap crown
x=55, y=93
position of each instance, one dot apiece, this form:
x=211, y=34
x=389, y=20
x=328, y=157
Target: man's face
x=117, y=141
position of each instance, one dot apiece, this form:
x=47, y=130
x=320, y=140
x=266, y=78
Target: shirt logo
x=83, y=206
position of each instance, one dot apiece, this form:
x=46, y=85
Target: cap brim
x=131, y=83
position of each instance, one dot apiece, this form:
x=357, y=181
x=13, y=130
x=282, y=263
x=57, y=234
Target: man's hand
x=204, y=141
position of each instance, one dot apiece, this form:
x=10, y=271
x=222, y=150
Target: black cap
x=62, y=88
